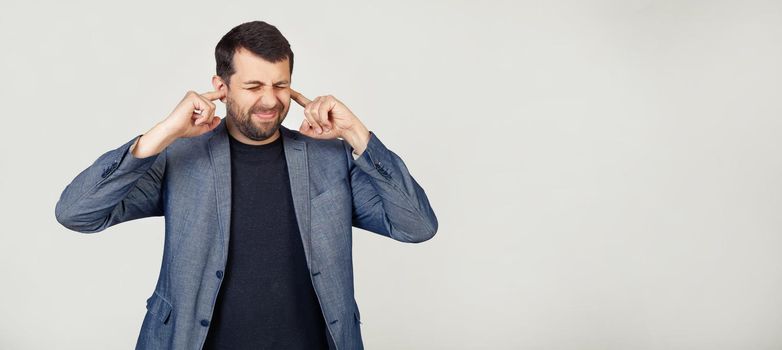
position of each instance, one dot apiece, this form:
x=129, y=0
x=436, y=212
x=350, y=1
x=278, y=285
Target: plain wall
x=606, y=174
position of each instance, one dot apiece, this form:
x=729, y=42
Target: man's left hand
x=328, y=118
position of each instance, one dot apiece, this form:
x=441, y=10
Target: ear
x=219, y=85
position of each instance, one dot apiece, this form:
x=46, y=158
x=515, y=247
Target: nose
x=268, y=99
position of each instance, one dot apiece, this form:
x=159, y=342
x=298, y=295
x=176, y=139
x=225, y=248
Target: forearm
x=358, y=138
x=88, y=203
x=387, y=199
x=152, y=142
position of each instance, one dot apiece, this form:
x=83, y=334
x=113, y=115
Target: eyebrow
x=256, y=82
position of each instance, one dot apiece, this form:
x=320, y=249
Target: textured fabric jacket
x=189, y=183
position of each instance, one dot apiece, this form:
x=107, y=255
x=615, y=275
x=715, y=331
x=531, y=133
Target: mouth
x=265, y=116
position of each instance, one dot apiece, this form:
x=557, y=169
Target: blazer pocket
x=331, y=190
x=159, y=307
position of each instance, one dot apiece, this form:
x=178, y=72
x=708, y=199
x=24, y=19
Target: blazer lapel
x=220, y=153
x=298, y=173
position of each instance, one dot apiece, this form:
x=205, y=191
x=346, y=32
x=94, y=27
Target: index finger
x=299, y=98
x=213, y=95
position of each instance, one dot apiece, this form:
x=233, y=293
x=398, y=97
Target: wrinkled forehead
x=249, y=67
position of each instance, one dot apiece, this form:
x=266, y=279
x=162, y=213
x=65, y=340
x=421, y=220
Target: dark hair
x=258, y=37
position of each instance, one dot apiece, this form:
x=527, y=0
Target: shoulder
x=327, y=159
x=330, y=147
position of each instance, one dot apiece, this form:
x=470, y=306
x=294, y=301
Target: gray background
x=606, y=173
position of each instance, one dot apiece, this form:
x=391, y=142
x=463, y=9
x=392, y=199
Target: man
x=255, y=211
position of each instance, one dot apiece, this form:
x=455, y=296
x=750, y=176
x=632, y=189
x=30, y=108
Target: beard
x=250, y=127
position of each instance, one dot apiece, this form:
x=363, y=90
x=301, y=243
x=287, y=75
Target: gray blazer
x=189, y=183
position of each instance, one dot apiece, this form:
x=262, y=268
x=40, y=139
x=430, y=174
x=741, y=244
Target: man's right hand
x=183, y=121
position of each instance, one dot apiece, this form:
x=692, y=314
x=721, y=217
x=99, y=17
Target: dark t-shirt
x=266, y=300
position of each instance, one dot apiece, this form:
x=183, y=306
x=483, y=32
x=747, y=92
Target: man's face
x=259, y=95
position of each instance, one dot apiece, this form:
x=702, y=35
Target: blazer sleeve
x=117, y=187
x=386, y=199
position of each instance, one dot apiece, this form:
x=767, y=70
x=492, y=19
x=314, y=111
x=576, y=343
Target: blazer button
x=204, y=323
x=219, y=274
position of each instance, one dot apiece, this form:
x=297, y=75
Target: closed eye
x=277, y=86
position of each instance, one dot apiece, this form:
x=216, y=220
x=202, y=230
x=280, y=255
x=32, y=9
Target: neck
x=234, y=131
